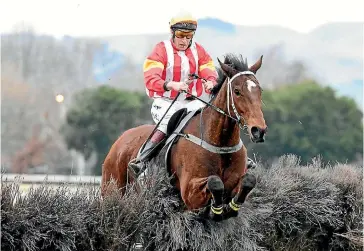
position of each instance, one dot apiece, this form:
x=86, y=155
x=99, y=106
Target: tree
x=46, y=62
x=34, y=69
x=97, y=118
x=310, y=120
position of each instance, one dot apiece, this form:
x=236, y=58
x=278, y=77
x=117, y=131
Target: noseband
x=240, y=119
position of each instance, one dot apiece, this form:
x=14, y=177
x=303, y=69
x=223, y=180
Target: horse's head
x=244, y=95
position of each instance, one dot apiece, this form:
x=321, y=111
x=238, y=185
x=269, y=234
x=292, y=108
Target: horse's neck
x=219, y=129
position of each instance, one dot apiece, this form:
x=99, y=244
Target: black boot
x=136, y=166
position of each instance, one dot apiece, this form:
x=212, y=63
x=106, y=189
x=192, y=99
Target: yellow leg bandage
x=234, y=206
x=217, y=210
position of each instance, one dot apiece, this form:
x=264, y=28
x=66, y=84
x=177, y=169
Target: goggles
x=184, y=34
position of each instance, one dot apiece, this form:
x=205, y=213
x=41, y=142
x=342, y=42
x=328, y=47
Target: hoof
x=216, y=217
x=231, y=210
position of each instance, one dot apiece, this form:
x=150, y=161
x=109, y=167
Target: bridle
x=238, y=118
x=200, y=140
x=229, y=93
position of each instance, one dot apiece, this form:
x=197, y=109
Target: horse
x=213, y=171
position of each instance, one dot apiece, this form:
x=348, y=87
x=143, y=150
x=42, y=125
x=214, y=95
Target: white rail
x=53, y=179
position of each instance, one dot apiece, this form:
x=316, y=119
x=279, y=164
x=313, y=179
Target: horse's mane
x=237, y=62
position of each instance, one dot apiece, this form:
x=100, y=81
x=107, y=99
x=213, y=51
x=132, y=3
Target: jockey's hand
x=177, y=86
x=208, y=85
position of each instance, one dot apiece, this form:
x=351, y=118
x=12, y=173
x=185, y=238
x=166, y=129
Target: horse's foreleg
x=216, y=188
x=197, y=192
x=248, y=182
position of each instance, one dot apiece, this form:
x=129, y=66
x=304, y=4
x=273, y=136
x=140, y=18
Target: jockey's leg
x=137, y=166
x=194, y=105
x=159, y=108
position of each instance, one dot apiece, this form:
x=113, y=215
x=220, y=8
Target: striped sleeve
x=207, y=68
x=153, y=68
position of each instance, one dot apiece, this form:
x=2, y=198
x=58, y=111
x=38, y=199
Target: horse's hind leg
x=216, y=188
x=248, y=182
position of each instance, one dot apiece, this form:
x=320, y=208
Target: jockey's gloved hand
x=177, y=86
x=208, y=85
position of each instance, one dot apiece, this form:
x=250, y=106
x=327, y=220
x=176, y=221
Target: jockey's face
x=182, y=39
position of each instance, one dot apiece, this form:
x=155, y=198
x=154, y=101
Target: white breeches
x=160, y=106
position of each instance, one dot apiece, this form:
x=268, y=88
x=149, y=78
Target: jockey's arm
x=153, y=68
x=206, y=68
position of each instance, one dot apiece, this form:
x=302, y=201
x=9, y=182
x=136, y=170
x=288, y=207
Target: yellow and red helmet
x=183, y=21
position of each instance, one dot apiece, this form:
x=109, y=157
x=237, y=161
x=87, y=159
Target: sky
x=100, y=18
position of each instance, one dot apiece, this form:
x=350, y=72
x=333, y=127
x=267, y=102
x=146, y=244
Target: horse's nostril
x=258, y=132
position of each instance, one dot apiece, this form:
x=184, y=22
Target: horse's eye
x=236, y=91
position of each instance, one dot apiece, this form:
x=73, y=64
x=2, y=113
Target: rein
x=229, y=94
x=238, y=119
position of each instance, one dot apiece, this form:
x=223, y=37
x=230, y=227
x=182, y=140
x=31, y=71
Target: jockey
x=166, y=73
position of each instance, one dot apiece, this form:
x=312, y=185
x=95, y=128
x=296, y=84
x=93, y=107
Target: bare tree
x=34, y=69
x=278, y=71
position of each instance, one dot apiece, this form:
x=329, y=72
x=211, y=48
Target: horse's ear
x=255, y=67
x=228, y=70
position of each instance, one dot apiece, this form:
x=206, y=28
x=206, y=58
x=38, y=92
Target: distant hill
x=332, y=52
x=217, y=25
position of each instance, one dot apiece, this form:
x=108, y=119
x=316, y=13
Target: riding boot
x=250, y=163
x=137, y=165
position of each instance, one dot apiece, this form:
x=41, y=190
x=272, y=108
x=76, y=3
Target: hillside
x=331, y=48
x=331, y=53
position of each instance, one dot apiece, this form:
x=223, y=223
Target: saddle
x=175, y=128
x=175, y=120
x=176, y=124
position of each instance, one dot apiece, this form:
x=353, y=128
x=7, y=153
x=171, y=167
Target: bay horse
x=216, y=173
